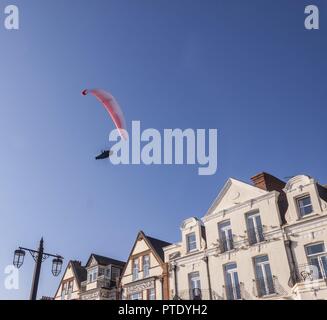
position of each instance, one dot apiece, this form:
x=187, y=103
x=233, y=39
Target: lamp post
x=39, y=256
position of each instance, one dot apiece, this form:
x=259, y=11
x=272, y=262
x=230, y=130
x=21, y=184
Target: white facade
x=254, y=244
x=307, y=233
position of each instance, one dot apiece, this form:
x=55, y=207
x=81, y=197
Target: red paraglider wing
x=113, y=108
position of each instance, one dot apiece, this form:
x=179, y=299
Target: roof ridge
x=108, y=259
x=158, y=245
x=149, y=237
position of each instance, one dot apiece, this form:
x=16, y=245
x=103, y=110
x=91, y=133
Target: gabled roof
x=158, y=246
x=79, y=272
x=242, y=192
x=154, y=244
x=104, y=261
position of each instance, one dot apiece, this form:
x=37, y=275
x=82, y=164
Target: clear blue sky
x=247, y=68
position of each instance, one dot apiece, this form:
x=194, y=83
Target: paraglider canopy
x=112, y=107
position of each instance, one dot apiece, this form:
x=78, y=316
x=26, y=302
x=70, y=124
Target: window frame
x=234, y=285
x=70, y=289
x=93, y=272
x=64, y=291
x=257, y=232
x=151, y=292
x=299, y=208
x=318, y=256
x=146, y=274
x=265, y=278
x=188, y=243
x=228, y=242
x=139, y=294
x=115, y=270
x=191, y=276
x=135, y=275
x=107, y=272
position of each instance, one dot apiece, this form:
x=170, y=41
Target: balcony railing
x=226, y=245
x=197, y=294
x=310, y=272
x=264, y=287
x=233, y=292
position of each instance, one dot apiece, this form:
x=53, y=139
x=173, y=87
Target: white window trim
x=297, y=202
x=265, y=278
x=253, y=217
x=64, y=291
x=70, y=289
x=194, y=278
x=148, y=266
x=135, y=275
x=224, y=230
x=92, y=271
x=232, y=272
x=319, y=256
x=153, y=291
x=139, y=294
x=188, y=243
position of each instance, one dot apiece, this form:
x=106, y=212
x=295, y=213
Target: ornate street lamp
x=19, y=258
x=56, y=266
x=39, y=256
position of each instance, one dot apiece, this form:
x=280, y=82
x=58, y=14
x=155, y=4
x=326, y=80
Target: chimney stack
x=268, y=182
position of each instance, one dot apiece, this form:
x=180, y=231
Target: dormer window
x=191, y=242
x=304, y=206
